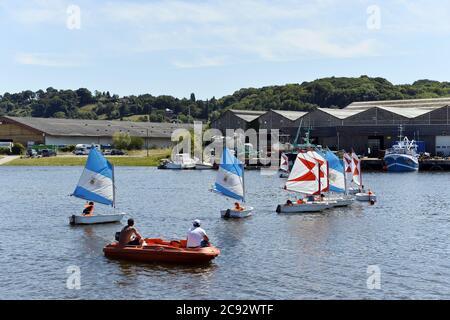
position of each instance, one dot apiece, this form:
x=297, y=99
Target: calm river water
x=268, y=256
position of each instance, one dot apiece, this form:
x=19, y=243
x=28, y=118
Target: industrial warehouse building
x=367, y=127
x=52, y=131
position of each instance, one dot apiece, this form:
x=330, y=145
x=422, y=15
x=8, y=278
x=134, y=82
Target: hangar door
x=443, y=145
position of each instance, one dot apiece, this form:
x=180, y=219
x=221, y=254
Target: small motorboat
x=96, y=219
x=181, y=161
x=366, y=196
x=231, y=213
x=158, y=250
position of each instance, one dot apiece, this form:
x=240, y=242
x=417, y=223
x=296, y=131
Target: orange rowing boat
x=158, y=250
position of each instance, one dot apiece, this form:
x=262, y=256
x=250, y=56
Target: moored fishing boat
x=96, y=184
x=230, y=183
x=158, y=250
x=402, y=157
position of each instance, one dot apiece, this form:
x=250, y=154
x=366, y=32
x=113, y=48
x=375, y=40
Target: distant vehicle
x=6, y=145
x=48, y=153
x=107, y=152
x=116, y=152
x=83, y=149
x=32, y=153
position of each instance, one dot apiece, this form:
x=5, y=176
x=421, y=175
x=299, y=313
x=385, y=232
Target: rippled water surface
x=267, y=256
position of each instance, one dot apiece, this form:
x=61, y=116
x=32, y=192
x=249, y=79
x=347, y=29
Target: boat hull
x=401, y=163
x=95, y=219
x=230, y=213
x=284, y=175
x=304, y=207
x=340, y=202
x=365, y=197
x=157, y=250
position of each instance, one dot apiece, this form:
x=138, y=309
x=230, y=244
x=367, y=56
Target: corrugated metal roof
x=291, y=115
x=434, y=103
x=95, y=128
x=247, y=115
x=341, y=113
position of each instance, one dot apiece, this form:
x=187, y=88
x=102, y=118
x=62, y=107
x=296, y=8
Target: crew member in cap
x=196, y=236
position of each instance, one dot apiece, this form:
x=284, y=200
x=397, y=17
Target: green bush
x=68, y=148
x=4, y=151
x=18, y=149
x=136, y=143
x=121, y=140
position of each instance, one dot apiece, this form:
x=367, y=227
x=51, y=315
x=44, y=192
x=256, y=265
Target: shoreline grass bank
x=151, y=161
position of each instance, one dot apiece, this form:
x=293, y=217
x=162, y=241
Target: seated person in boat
x=311, y=198
x=130, y=236
x=300, y=201
x=289, y=203
x=88, y=209
x=196, y=236
x=237, y=207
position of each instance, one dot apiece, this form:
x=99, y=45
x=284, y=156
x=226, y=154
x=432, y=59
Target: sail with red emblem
x=324, y=170
x=284, y=163
x=356, y=169
x=304, y=177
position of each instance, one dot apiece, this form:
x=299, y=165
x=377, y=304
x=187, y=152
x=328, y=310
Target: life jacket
x=89, y=209
x=299, y=201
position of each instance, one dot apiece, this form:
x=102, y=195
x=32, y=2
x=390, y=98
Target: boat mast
x=114, y=187
x=243, y=182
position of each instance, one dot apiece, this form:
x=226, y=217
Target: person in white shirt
x=196, y=236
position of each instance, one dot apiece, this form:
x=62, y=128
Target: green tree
x=121, y=140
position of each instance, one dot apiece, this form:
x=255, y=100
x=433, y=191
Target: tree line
x=332, y=92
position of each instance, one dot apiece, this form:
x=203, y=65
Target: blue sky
x=213, y=48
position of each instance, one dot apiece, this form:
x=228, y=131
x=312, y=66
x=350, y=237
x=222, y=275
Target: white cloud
x=201, y=62
x=241, y=30
x=48, y=60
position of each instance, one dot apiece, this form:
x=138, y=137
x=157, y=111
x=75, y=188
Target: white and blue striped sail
x=336, y=172
x=97, y=180
x=230, y=177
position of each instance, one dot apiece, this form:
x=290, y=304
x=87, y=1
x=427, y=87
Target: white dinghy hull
x=304, y=207
x=365, y=197
x=340, y=202
x=230, y=213
x=95, y=219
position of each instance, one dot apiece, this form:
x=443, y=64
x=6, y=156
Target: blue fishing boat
x=96, y=184
x=403, y=156
x=230, y=183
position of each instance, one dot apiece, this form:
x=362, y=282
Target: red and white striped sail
x=347, y=163
x=284, y=163
x=304, y=177
x=356, y=169
x=324, y=170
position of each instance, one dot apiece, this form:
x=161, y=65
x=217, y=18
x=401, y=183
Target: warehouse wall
x=17, y=133
x=73, y=140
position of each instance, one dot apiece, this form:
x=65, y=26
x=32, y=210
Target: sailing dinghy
x=284, y=166
x=362, y=195
x=336, y=178
x=230, y=183
x=96, y=184
x=305, y=178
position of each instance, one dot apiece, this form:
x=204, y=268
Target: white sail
x=304, y=176
x=356, y=169
x=284, y=163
